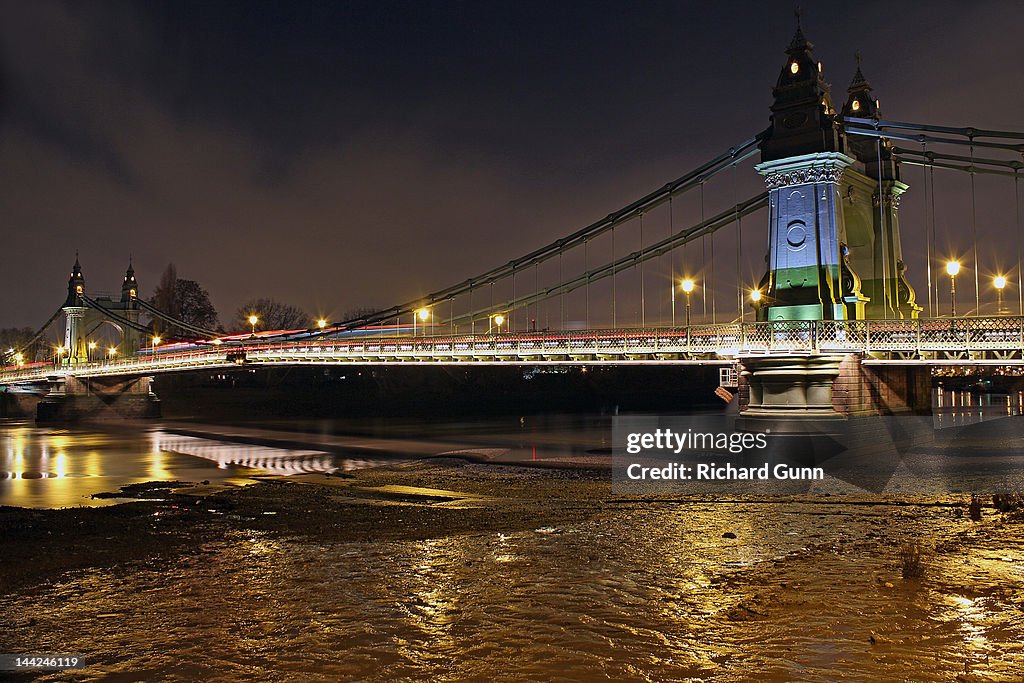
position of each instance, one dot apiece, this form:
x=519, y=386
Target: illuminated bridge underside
x=960, y=341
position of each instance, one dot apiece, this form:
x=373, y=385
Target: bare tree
x=14, y=341
x=185, y=300
x=272, y=315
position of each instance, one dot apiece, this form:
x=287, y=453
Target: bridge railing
x=956, y=337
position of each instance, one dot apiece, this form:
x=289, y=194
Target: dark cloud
x=340, y=154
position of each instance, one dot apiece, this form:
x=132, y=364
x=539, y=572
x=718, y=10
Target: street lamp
x=953, y=267
x=688, y=289
x=19, y=359
x=156, y=343
x=423, y=314
x=498, y=319
x=92, y=347
x=60, y=352
x=755, y=299
x=321, y=323
x=999, y=282
x=252, y=321
x=111, y=352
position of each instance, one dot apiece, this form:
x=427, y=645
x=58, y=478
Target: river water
x=635, y=592
x=53, y=467
x=46, y=467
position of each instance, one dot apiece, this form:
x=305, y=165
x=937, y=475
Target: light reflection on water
x=959, y=408
x=47, y=467
x=44, y=467
x=642, y=594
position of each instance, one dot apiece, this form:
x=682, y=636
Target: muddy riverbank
x=445, y=569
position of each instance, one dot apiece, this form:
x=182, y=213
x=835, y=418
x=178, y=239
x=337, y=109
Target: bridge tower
x=131, y=339
x=72, y=396
x=833, y=221
x=803, y=160
x=872, y=224
x=75, y=351
x=834, y=245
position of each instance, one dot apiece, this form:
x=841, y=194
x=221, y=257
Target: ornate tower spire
x=73, y=351
x=130, y=287
x=76, y=284
x=860, y=102
x=803, y=118
x=799, y=42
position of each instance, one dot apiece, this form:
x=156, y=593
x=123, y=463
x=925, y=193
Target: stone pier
x=787, y=389
x=71, y=399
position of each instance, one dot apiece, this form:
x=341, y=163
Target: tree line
x=189, y=302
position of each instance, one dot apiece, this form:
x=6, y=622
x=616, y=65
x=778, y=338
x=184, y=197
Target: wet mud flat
x=162, y=519
x=451, y=570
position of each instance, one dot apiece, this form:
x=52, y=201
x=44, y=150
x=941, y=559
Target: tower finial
x=799, y=42
x=859, y=83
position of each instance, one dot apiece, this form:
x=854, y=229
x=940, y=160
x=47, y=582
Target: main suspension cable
x=697, y=176
x=39, y=333
x=706, y=227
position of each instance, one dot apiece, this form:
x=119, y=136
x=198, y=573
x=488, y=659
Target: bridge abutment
x=71, y=399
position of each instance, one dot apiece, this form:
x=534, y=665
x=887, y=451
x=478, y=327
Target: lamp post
x=111, y=352
x=673, y=290
x=423, y=314
x=156, y=343
x=321, y=323
x=92, y=347
x=498, y=319
x=252, y=321
x=952, y=268
x=755, y=298
x=688, y=289
x=999, y=282
x=57, y=358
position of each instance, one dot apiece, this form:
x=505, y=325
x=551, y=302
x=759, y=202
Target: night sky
x=337, y=155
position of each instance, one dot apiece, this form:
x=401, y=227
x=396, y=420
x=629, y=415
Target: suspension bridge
x=829, y=323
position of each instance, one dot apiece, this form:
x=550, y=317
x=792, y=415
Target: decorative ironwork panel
x=943, y=334
x=842, y=335
x=791, y=335
x=893, y=335
x=994, y=333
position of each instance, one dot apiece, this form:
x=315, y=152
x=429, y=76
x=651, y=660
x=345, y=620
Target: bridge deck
x=959, y=341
